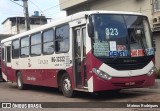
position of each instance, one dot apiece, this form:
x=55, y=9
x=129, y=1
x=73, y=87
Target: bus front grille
x=128, y=66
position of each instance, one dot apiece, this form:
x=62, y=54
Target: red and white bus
x=89, y=51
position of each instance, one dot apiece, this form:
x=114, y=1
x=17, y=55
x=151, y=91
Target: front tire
x=66, y=86
x=3, y=80
x=20, y=83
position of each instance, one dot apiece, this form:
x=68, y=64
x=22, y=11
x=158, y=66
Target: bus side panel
x=9, y=72
x=91, y=62
x=50, y=77
x=72, y=76
x=42, y=77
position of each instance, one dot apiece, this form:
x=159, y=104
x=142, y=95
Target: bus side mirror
x=90, y=29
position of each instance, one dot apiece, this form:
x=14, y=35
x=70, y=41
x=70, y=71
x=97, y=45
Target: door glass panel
x=84, y=41
x=77, y=50
x=84, y=57
x=78, y=44
x=80, y=55
x=8, y=54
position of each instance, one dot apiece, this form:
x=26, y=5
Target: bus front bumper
x=123, y=83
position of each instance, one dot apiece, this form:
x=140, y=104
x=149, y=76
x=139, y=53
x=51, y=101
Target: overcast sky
x=49, y=8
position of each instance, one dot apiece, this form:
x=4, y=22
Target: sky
x=49, y=8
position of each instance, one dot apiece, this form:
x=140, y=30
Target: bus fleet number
x=58, y=59
x=112, y=31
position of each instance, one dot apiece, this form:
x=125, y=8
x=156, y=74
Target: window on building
x=15, y=48
x=156, y=5
x=48, y=43
x=62, y=38
x=25, y=47
x=38, y=21
x=36, y=44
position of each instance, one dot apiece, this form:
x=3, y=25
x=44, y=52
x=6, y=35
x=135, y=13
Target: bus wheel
x=3, y=80
x=20, y=84
x=66, y=86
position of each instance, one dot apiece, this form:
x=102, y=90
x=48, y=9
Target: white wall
x=157, y=38
x=68, y=3
x=7, y=27
x=143, y=6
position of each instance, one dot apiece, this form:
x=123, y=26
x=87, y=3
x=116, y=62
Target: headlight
x=151, y=71
x=101, y=74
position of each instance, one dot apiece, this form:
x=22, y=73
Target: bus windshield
x=118, y=35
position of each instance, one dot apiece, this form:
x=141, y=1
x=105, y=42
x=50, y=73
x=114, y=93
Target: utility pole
x=17, y=24
x=26, y=14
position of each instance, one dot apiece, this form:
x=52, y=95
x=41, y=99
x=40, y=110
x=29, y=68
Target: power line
x=64, y=3
x=39, y=7
x=12, y=31
x=26, y=14
x=3, y=31
x=56, y=6
x=16, y=3
x=36, y=6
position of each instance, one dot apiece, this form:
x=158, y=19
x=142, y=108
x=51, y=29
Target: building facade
x=16, y=25
x=151, y=8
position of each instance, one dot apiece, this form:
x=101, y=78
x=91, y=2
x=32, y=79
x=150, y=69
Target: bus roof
x=64, y=20
x=113, y=12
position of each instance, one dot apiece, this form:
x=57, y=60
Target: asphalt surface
x=10, y=93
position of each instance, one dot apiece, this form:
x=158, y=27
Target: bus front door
x=80, y=57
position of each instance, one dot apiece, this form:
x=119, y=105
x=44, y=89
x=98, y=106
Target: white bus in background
x=89, y=51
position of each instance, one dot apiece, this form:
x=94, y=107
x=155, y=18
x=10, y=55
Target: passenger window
x=62, y=38
x=15, y=48
x=25, y=47
x=48, y=43
x=36, y=44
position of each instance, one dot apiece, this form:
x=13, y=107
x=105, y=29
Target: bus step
x=85, y=83
x=85, y=89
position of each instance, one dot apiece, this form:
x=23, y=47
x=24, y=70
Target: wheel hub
x=67, y=85
x=19, y=82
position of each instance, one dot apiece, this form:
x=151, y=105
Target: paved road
x=10, y=93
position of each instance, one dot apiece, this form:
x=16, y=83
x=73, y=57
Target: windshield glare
x=121, y=35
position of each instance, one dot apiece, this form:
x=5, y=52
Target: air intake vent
x=129, y=84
